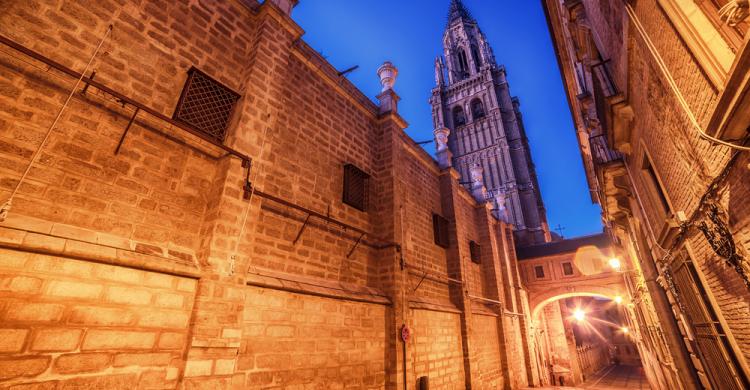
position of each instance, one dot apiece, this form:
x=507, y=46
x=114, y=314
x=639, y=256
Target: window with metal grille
x=356, y=190
x=206, y=105
x=567, y=269
x=476, y=252
x=707, y=334
x=539, y=272
x=440, y=230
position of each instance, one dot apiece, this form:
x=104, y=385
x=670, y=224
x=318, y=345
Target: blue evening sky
x=409, y=33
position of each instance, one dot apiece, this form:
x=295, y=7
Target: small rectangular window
x=567, y=269
x=652, y=181
x=206, y=105
x=356, y=187
x=440, y=230
x=539, y=271
x=476, y=252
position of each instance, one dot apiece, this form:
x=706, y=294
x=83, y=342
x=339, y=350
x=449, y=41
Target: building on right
x=659, y=91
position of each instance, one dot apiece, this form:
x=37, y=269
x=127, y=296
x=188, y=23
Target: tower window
x=477, y=109
x=539, y=272
x=355, y=187
x=459, y=118
x=206, y=105
x=567, y=269
x=463, y=63
x=440, y=230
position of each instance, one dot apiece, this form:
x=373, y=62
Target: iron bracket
x=356, y=244
x=86, y=87
x=301, y=230
x=127, y=129
x=248, y=187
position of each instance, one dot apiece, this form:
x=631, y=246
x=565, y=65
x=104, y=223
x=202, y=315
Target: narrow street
x=613, y=378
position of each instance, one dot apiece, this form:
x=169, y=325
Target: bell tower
x=472, y=101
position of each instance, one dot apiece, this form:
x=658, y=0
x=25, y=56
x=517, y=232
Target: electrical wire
x=5, y=208
x=252, y=192
x=673, y=85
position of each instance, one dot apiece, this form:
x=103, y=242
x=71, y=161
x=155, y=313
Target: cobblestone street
x=612, y=378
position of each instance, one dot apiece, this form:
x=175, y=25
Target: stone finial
x=501, y=212
x=387, y=73
x=477, y=183
x=285, y=5
x=388, y=98
x=441, y=138
x=443, y=153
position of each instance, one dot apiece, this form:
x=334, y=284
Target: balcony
x=600, y=151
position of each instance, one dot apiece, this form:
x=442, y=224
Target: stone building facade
x=209, y=204
x=658, y=90
x=487, y=139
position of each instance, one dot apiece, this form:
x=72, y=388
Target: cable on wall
x=5, y=208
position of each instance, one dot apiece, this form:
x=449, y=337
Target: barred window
x=567, y=269
x=206, y=105
x=356, y=187
x=476, y=252
x=539, y=272
x=440, y=230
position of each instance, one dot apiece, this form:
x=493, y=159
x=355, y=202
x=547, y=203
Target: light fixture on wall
x=579, y=315
x=618, y=299
x=625, y=330
x=615, y=263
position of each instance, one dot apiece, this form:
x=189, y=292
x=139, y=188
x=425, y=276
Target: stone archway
x=539, y=300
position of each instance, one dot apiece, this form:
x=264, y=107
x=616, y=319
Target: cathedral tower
x=473, y=101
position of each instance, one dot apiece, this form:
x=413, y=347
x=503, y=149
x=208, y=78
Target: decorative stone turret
x=478, y=190
x=388, y=98
x=443, y=153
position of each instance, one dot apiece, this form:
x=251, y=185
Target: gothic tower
x=472, y=100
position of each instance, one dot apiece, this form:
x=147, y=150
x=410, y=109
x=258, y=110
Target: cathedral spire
x=458, y=11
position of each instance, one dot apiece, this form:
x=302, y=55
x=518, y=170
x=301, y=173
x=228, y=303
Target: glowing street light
x=625, y=329
x=579, y=315
x=618, y=299
x=615, y=263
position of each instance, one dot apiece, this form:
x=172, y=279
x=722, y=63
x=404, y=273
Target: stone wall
x=300, y=340
x=489, y=360
x=437, y=349
x=661, y=133
x=76, y=323
x=149, y=267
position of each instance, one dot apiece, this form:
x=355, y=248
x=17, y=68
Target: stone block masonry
x=136, y=267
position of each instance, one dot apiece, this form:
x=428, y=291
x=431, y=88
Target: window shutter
x=476, y=252
x=356, y=187
x=440, y=230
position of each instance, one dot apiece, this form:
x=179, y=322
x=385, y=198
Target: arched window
x=475, y=56
x=477, y=109
x=459, y=118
